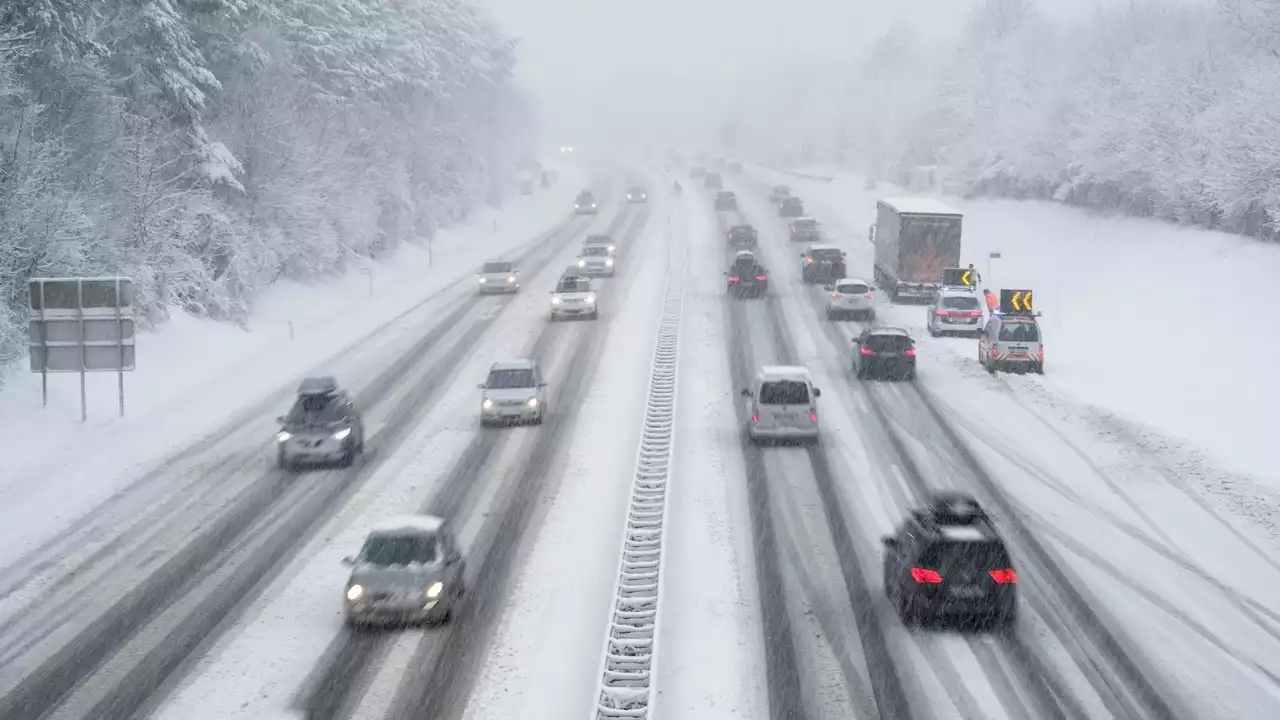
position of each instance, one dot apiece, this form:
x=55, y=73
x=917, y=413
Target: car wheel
x=1040, y=368
x=348, y=458
x=859, y=372
x=537, y=419
x=910, y=376
x=282, y=461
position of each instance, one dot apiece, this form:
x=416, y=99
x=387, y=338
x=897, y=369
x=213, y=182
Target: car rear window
x=1019, y=332
x=742, y=230
x=825, y=255
x=596, y=250
x=497, y=267
x=386, y=550
x=964, y=556
x=960, y=302
x=805, y=224
x=889, y=343
x=784, y=392
x=506, y=379
x=852, y=289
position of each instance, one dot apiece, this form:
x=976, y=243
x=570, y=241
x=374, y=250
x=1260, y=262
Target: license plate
x=966, y=591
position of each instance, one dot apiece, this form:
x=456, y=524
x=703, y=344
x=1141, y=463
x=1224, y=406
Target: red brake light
x=870, y=296
x=755, y=418
x=761, y=278
x=926, y=577
x=868, y=351
x=813, y=416
x=734, y=278
x=940, y=313
x=1005, y=576
x=835, y=295
x=975, y=313
x=910, y=353
x=1040, y=353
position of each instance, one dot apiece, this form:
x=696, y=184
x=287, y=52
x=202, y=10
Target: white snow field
x=194, y=374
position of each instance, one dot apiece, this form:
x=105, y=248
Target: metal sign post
x=81, y=325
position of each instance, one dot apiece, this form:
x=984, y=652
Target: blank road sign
x=67, y=330
x=67, y=293
x=66, y=358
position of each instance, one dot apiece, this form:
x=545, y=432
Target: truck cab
x=915, y=240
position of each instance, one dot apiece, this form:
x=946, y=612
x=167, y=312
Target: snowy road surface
x=209, y=586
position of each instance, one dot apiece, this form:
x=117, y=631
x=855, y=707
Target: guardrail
x=628, y=665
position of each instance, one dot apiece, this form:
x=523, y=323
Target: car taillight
x=975, y=313
x=940, y=313
x=842, y=262
x=761, y=278
x=734, y=278
x=755, y=418
x=1040, y=353
x=910, y=353
x=835, y=295
x=870, y=296
x=813, y=416
x=868, y=351
x=1005, y=576
x=926, y=577
x=793, y=228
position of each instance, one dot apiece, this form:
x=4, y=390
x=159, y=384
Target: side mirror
x=889, y=541
x=349, y=561
x=745, y=392
x=817, y=392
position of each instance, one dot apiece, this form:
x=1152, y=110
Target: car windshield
x=973, y=557
x=316, y=409
x=596, y=250
x=960, y=302
x=497, y=267
x=507, y=379
x=586, y=197
x=387, y=550
x=888, y=343
x=852, y=289
x=1019, y=332
x=574, y=285
x=825, y=255
x=784, y=392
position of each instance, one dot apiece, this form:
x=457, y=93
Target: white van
x=783, y=405
x=1012, y=343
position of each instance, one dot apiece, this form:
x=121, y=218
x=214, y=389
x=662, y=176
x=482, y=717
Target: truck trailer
x=915, y=239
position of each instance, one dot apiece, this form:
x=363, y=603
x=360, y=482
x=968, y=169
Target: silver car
x=596, y=260
x=783, y=405
x=851, y=299
x=498, y=276
x=410, y=570
x=513, y=392
x=574, y=296
x=955, y=311
x=323, y=426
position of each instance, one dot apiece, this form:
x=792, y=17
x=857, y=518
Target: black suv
x=790, y=207
x=947, y=560
x=885, y=351
x=726, y=200
x=743, y=236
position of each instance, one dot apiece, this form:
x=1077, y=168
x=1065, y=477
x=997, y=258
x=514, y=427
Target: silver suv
x=498, y=276
x=513, y=392
x=955, y=311
x=323, y=426
x=783, y=405
x=410, y=570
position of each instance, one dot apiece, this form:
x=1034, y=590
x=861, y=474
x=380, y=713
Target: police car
x=1011, y=340
x=946, y=560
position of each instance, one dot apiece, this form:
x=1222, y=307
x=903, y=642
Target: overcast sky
x=595, y=64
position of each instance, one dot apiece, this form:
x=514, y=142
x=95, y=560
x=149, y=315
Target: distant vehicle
x=409, y=570
x=1013, y=343
x=513, y=391
x=746, y=277
x=915, y=240
x=884, y=352
x=805, y=229
x=323, y=426
x=713, y=181
x=596, y=260
x=783, y=405
x=574, y=297
x=954, y=311
x=947, y=560
x=851, y=299
x=697, y=171
x=585, y=204
x=566, y=149
x=823, y=264
x=498, y=276
x=601, y=239
x=734, y=167
x=637, y=195
x=791, y=207
x=726, y=200
x=743, y=236
x=778, y=193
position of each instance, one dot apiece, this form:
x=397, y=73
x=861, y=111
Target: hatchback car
x=805, y=229
x=514, y=391
x=885, y=352
x=498, y=276
x=1011, y=343
x=743, y=236
x=323, y=426
x=409, y=570
x=726, y=200
x=954, y=311
x=851, y=299
x=783, y=405
x=946, y=561
x=596, y=260
x=574, y=297
x=585, y=204
x=790, y=207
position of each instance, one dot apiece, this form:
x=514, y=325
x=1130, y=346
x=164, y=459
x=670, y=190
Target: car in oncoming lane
x=409, y=570
x=514, y=391
x=323, y=426
x=498, y=276
x=574, y=297
x=637, y=195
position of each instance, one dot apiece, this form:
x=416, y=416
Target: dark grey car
x=410, y=570
x=323, y=426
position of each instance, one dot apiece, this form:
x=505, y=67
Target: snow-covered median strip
x=630, y=652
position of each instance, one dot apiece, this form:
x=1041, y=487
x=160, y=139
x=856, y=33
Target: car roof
x=521, y=364
x=964, y=533
x=408, y=525
x=784, y=372
x=741, y=227
x=321, y=385
x=919, y=206
x=885, y=330
x=575, y=275
x=823, y=246
x=804, y=217
x=852, y=281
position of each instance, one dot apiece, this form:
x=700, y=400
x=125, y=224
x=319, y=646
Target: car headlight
x=511, y=278
x=555, y=301
x=434, y=590
x=487, y=404
x=342, y=434
x=591, y=299
x=613, y=249
x=593, y=206
x=483, y=281
x=283, y=436
x=582, y=263
x=609, y=262
x=355, y=592
x=533, y=402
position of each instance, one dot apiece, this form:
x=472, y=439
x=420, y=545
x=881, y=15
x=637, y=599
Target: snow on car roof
x=963, y=533
x=409, y=523
x=523, y=364
x=784, y=371
x=920, y=206
x=851, y=281
x=824, y=247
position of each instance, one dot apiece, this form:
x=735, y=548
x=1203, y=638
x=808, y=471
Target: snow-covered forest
x=1153, y=107
x=208, y=148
